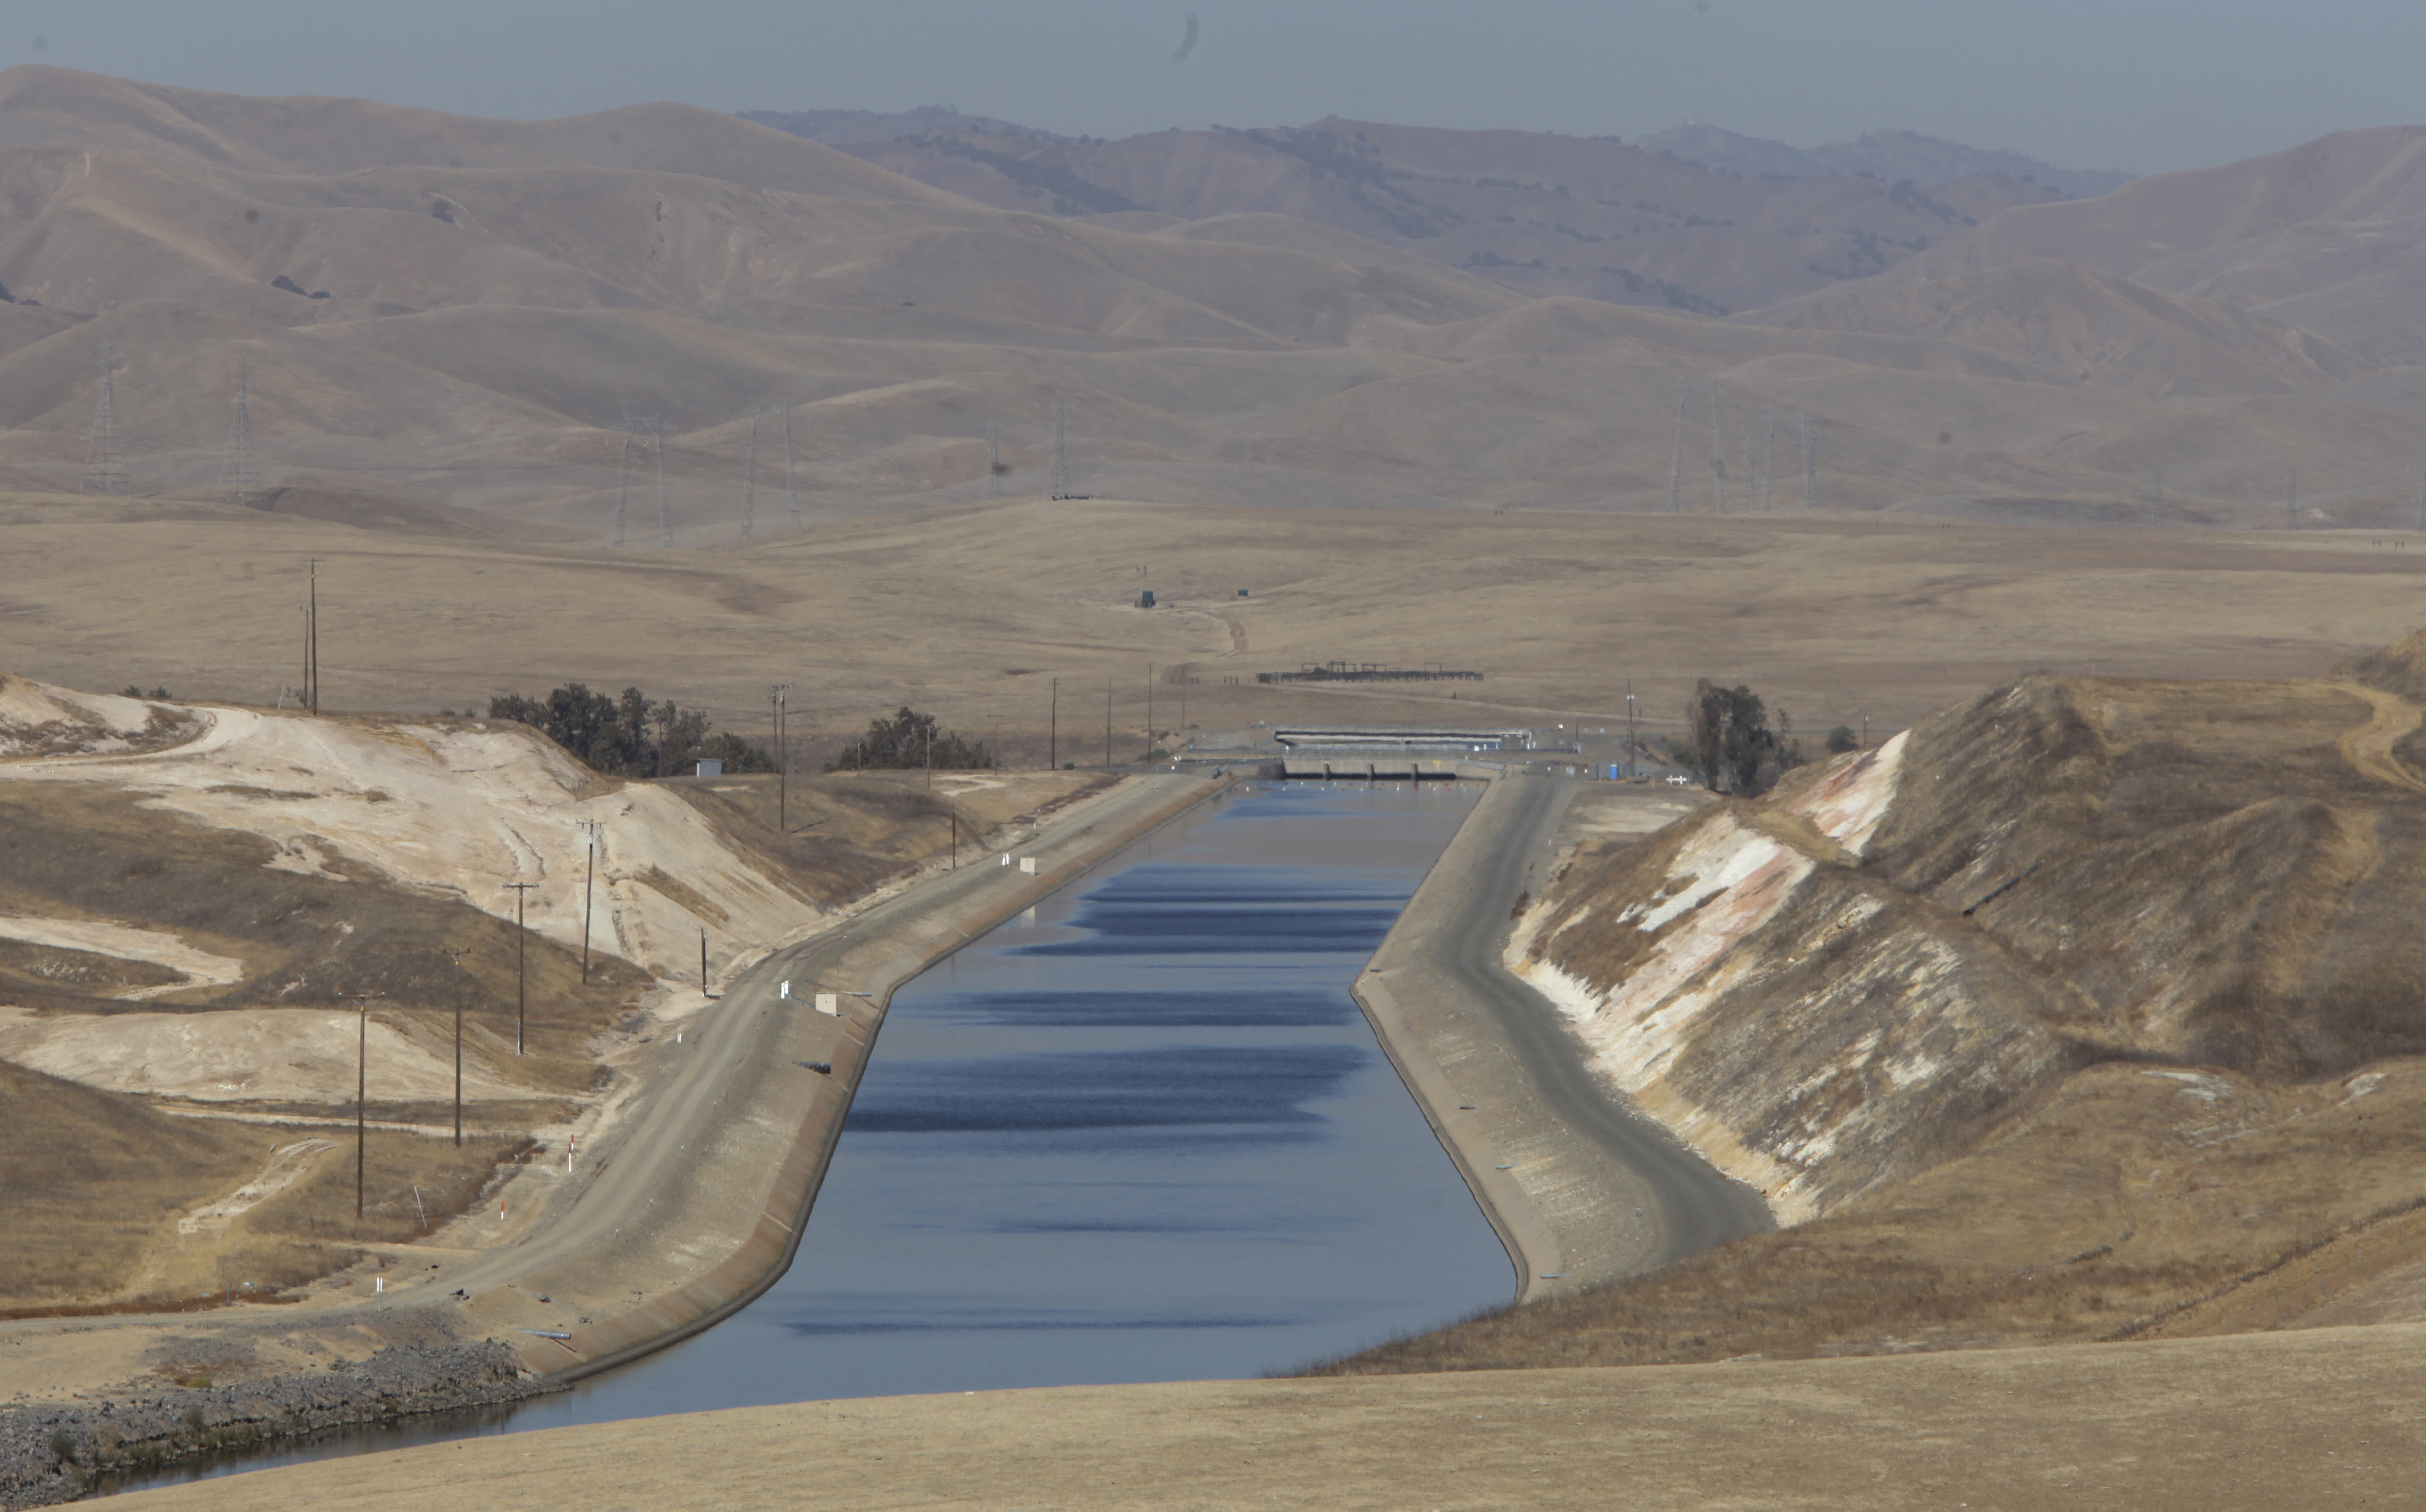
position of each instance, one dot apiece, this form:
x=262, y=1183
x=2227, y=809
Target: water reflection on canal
x=1140, y=1134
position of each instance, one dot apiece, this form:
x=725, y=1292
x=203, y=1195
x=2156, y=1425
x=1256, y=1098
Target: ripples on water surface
x=1141, y=1133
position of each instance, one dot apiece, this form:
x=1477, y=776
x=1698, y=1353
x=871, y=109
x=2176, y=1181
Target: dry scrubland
x=2086, y=1009
x=972, y=612
x=190, y=896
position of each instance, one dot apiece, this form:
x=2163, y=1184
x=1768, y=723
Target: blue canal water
x=1140, y=1134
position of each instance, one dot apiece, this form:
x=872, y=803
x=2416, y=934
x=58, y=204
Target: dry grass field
x=973, y=612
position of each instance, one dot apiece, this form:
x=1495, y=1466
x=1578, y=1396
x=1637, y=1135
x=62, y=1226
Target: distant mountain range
x=1532, y=211
x=1888, y=156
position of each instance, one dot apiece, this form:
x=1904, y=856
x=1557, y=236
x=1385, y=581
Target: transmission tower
x=750, y=478
x=235, y=473
x=1751, y=464
x=994, y=461
x=1718, y=454
x=1810, y=468
x=1059, y=484
x=105, y=472
x=624, y=478
x=665, y=520
x=791, y=491
x=1768, y=472
x=1676, y=457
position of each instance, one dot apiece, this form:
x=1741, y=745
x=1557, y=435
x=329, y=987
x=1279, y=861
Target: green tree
x=910, y=738
x=1728, y=737
x=1841, y=739
x=628, y=736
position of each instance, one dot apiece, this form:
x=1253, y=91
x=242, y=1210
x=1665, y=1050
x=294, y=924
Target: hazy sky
x=2143, y=85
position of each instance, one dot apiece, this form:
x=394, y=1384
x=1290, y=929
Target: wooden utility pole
x=522, y=939
x=703, y=963
x=457, y=956
x=1149, y=711
x=776, y=694
x=589, y=900
x=956, y=839
x=312, y=635
x=1052, y=720
x=362, y=1086
x=1108, y=724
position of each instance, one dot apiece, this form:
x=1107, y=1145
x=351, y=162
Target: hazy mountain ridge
x=781, y=310
x=1922, y=159
x=1539, y=213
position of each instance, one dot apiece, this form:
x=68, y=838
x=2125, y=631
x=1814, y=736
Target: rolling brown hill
x=516, y=312
x=2325, y=236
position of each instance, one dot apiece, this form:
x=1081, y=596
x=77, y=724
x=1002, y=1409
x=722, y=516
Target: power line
x=235, y=473
x=105, y=472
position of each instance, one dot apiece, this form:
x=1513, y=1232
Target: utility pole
x=750, y=478
x=1107, y=726
x=791, y=490
x=1633, y=754
x=1810, y=468
x=1866, y=729
x=235, y=474
x=927, y=757
x=312, y=635
x=1053, y=729
x=1718, y=454
x=1149, y=711
x=994, y=461
x=776, y=695
x=362, y=1086
x=589, y=900
x=103, y=471
x=1060, y=482
x=1676, y=456
x=457, y=956
x=956, y=836
x=624, y=479
x=703, y=963
x=522, y=938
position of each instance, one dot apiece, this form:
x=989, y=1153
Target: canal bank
x=1581, y=1187
x=688, y=1205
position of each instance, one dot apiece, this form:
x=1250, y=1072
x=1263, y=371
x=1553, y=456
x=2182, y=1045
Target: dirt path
x=2368, y=748
x=288, y=1165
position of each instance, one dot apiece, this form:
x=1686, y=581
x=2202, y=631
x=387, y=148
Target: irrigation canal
x=1140, y=1134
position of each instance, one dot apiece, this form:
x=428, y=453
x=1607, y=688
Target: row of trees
x=630, y=736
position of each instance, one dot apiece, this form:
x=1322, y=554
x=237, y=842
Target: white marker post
x=786, y=994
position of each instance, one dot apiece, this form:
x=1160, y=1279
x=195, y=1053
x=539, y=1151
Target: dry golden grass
x=2132, y=1196
x=973, y=613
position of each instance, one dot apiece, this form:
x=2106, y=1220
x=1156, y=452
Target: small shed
x=709, y=766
